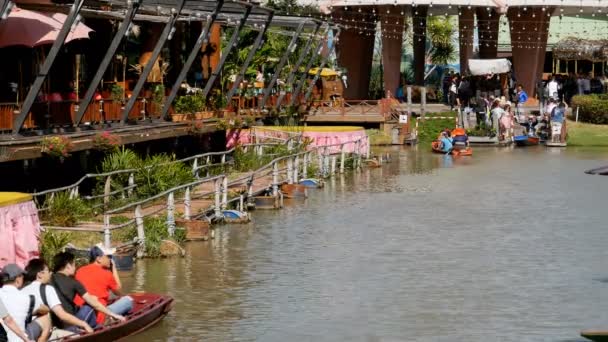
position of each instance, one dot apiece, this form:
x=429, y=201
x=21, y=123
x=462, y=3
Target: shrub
x=51, y=243
x=189, y=104
x=58, y=146
x=106, y=141
x=591, y=108
x=159, y=173
x=156, y=230
x=64, y=211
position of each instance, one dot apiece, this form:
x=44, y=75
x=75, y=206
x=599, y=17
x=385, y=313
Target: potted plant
x=106, y=141
x=57, y=147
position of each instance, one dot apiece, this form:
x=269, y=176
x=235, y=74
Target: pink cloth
x=19, y=232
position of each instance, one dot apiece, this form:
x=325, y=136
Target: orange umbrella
x=31, y=28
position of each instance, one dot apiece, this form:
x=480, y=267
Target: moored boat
x=526, y=140
x=595, y=335
x=148, y=309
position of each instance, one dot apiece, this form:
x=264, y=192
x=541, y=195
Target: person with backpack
x=39, y=276
x=22, y=307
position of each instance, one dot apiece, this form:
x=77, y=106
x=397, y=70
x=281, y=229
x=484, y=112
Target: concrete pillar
x=355, y=51
x=466, y=32
x=528, y=48
x=391, y=47
x=488, y=22
x=419, y=23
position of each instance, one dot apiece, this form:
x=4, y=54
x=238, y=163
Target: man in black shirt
x=67, y=288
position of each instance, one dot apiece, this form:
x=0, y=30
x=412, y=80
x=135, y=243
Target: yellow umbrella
x=325, y=72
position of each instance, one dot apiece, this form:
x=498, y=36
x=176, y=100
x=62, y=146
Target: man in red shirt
x=100, y=277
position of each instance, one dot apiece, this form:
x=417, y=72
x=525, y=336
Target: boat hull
x=597, y=336
x=148, y=309
x=525, y=140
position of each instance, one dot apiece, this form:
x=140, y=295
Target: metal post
x=275, y=179
x=422, y=101
x=191, y=57
x=217, y=208
x=107, y=58
x=131, y=183
x=289, y=170
x=323, y=62
x=342, y=158
x=296, y=171
x=281, y=64
x=224, y=192
x=409, y=100
x=187, y=204
x=107, y=235
x=325, y=163
x=305, y=166
x=231, y=44
x=241, y=202
x=259, y=41
x=106, y=192
x=294, y=69
x=333, y=165
x=167, y=34
x=317, y=52
x=250, y=199
x=141, y=232
x=46, y=66
x=171, y=214
x=195, y=168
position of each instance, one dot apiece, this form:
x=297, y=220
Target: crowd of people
x=36, y=303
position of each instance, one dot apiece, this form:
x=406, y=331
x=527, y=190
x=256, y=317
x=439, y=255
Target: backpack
x=56, y=321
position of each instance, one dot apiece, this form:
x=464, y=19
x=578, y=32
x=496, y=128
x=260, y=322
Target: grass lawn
x=584, y=134
x=428, y=130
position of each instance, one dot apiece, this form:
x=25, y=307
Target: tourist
x=558, y=125
x=460, y=137
x=496, y=113
x=67, y=288
x=506, y=121
x=9, y=322
x=99, y=278
x=453, y=92
x=37, y=272
x=464, y=92
x=553, y=88
x=521, y=98
x=446, y=143
x=22, y=307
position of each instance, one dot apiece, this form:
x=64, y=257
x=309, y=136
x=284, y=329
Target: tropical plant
x=161, y=172
x=158, y=94
x=106, y=141
x=58, y=146
x=64, y=210
x=189, y=104
x=53, y=242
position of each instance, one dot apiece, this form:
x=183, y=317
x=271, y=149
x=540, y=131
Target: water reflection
x=508, y=245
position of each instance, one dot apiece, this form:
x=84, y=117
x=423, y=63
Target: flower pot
x=179, y=117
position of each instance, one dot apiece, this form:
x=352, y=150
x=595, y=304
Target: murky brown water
x=510, y=245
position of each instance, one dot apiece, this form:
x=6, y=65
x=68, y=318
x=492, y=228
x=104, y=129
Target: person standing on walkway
x=522, y=98
x=452, y=93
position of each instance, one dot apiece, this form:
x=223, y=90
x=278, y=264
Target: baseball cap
x=100, y=250
x=12, y=271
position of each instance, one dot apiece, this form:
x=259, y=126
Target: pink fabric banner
x=19, y=232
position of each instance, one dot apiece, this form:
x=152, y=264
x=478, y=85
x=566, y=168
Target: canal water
x=509, y=245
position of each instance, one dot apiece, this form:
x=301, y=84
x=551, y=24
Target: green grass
x=585, y=134
x=428, y=130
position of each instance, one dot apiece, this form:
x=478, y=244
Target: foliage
x=158, y=94
x=57, y=146
x=584, y=134
x=53, y=242
x=106, y=141
x=121, y=159
x=591, y=108
x=377, y=137
x=117, y=93
x=158, y=173
x=249, y=121
x=429, y=130
x=249, y=161
x=222, y=125
x=64, y=211
x=189, y=104
x=440, y=32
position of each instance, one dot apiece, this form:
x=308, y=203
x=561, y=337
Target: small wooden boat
x=526, y=140
x=148, y=309
x=595, y=335
x=467, y=151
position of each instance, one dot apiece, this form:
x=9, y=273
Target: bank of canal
x=509, y=245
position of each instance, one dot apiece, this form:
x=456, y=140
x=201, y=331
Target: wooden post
x=342, y=157
x=275, y=179
x=131, y=183
x=289, y=170
x=409, y=100
x=296, y=171
x=107, y=235
x=187, y=204
x=422, y=101
x=333, y=165
x=171, y=214
x=141, y=232
x=224, y=192
x=217, y=208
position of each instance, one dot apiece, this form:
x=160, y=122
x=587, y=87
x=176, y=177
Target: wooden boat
x=595, y=335
x=467, y=151
x=526, y=140
x=148, y=309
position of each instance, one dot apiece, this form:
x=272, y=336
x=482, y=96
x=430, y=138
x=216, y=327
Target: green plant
x=249, y=121
x=591, y=108
x=222, y=125
x=158, y=94
x=122, y=159
x=117, y=93
x=158, y=173
x=429, y=130
x=237, y=123
x=53, y=242
x=64, y=211
x=189, y=104
x=58, y=146
x=106, y=141
x=156, y=230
